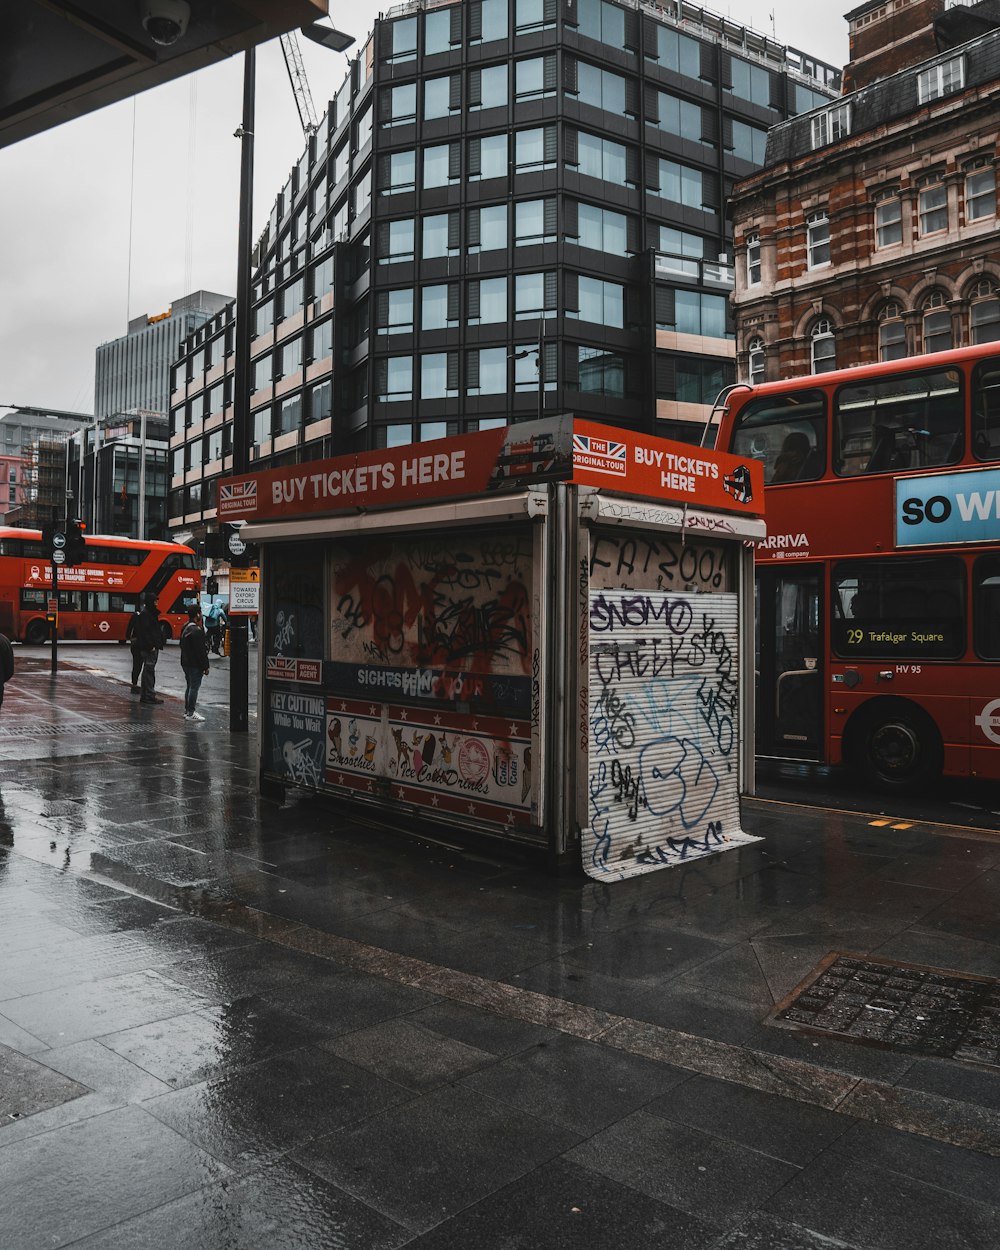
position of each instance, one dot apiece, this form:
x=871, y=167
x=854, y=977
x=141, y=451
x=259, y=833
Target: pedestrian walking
x=150, y=636
x=215, y=623
x=6, y=663
x=194, y=661
x=132, y=638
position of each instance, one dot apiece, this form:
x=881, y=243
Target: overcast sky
x=73, y=270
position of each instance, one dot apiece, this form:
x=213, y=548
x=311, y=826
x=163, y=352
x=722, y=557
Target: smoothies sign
x=507, y=459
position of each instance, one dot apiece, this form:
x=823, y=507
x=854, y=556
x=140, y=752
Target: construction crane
x=300, y=84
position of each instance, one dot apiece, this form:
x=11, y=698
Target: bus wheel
x=899, y=748
x=37, y=633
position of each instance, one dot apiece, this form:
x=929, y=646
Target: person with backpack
x=215, y=623
x=194, y=661
x=6, y=663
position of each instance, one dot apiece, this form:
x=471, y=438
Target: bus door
x=789, y=663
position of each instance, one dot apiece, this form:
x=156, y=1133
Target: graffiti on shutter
x=663, y=777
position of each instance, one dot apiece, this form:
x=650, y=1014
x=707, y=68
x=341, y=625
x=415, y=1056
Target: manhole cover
x=905, y=1006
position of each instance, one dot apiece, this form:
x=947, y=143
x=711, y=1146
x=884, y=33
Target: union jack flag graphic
x=600, y=455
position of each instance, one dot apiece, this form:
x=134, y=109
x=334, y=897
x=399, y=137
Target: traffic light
x=48, y=546
x=76, y=547
x=212, y=586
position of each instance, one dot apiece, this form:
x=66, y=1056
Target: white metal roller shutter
x=663, y=769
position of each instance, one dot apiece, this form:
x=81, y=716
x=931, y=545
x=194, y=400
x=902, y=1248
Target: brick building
x=870, y=232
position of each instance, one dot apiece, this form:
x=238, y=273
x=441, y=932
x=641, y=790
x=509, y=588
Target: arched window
x=936, y=323
x=823, y=346
x=984, y=312
x=891, y=333
x=756, y=361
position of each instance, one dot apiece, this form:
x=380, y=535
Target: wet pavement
x=230, y=1024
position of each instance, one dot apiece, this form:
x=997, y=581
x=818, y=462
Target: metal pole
x=141, y=531
x=541, y=380
x=239, y=661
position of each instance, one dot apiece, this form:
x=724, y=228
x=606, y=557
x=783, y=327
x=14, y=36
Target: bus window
x=986, y=410
x=787, y=432
x=70, y=601
x=32, y=598
x=899, y=609
x=896, y=423
x=986, y=607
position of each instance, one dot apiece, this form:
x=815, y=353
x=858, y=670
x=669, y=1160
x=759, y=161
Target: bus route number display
x=894, y=640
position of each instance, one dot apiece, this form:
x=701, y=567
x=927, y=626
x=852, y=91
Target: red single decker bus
x=96, y=598
x=878, y=604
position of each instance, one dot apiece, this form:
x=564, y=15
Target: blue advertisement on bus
x=948, y=508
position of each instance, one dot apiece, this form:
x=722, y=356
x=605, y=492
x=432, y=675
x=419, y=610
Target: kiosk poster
x=297, y=724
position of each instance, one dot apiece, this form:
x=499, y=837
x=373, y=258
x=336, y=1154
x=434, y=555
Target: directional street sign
x=58, y=541
x=59, y=557
x=244, y=592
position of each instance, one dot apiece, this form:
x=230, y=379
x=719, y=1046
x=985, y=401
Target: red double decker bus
x=878, y=586
x=97, y=597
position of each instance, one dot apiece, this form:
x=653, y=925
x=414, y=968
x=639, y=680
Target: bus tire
x=164, y=632
x=896, y=746
x=37, y=633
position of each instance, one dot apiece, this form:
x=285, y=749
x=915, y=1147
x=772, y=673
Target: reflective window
x=341, y=162
x=529, y=223
x=437, y=97
x=889, y=221
x=402, y=104
x=751, y=82
x=401, y=173
x=437, y=161
x=320, y=402
x=431, y=430
x=321, y=340
x=437, y=31
x=980, y=194
x=910, y=608
x=677, y=51
x=434, y=308
x=404, y=39
x=529, y=150
x=680, y=242
x=289, y=415
x=602, y=21
x=940, y=80
x=435, y=237
x=753, y=259
x=492, y=371
x=434, y=376
x=817, y=239
x=600, y=372
x=492, y=301
x=681, y=184
x=603, y=158
x=756, y=361
x=493, y=23
x=363, y=130
x=986, y=410
x=749, y=142
x=911, y=421
x=831, y=125
x=399, y=317
x=679, y=117
x=786, y=432
x=600, y=87
x=602, y=303
x=291, y=357
x=397, y=240
x=603, y=229
x=529, y=79
x=398, y=435
x=530, y=15
x=492, y=228
x=530, y=296
x=936, y=324
x=891, y=333
x=822, y=346
x=933, y=205
x=984, y=312
x=488, y=87
x=396, y=382
x=492, y=157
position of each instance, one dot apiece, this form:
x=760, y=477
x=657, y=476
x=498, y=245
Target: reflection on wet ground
x=228, y=1023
